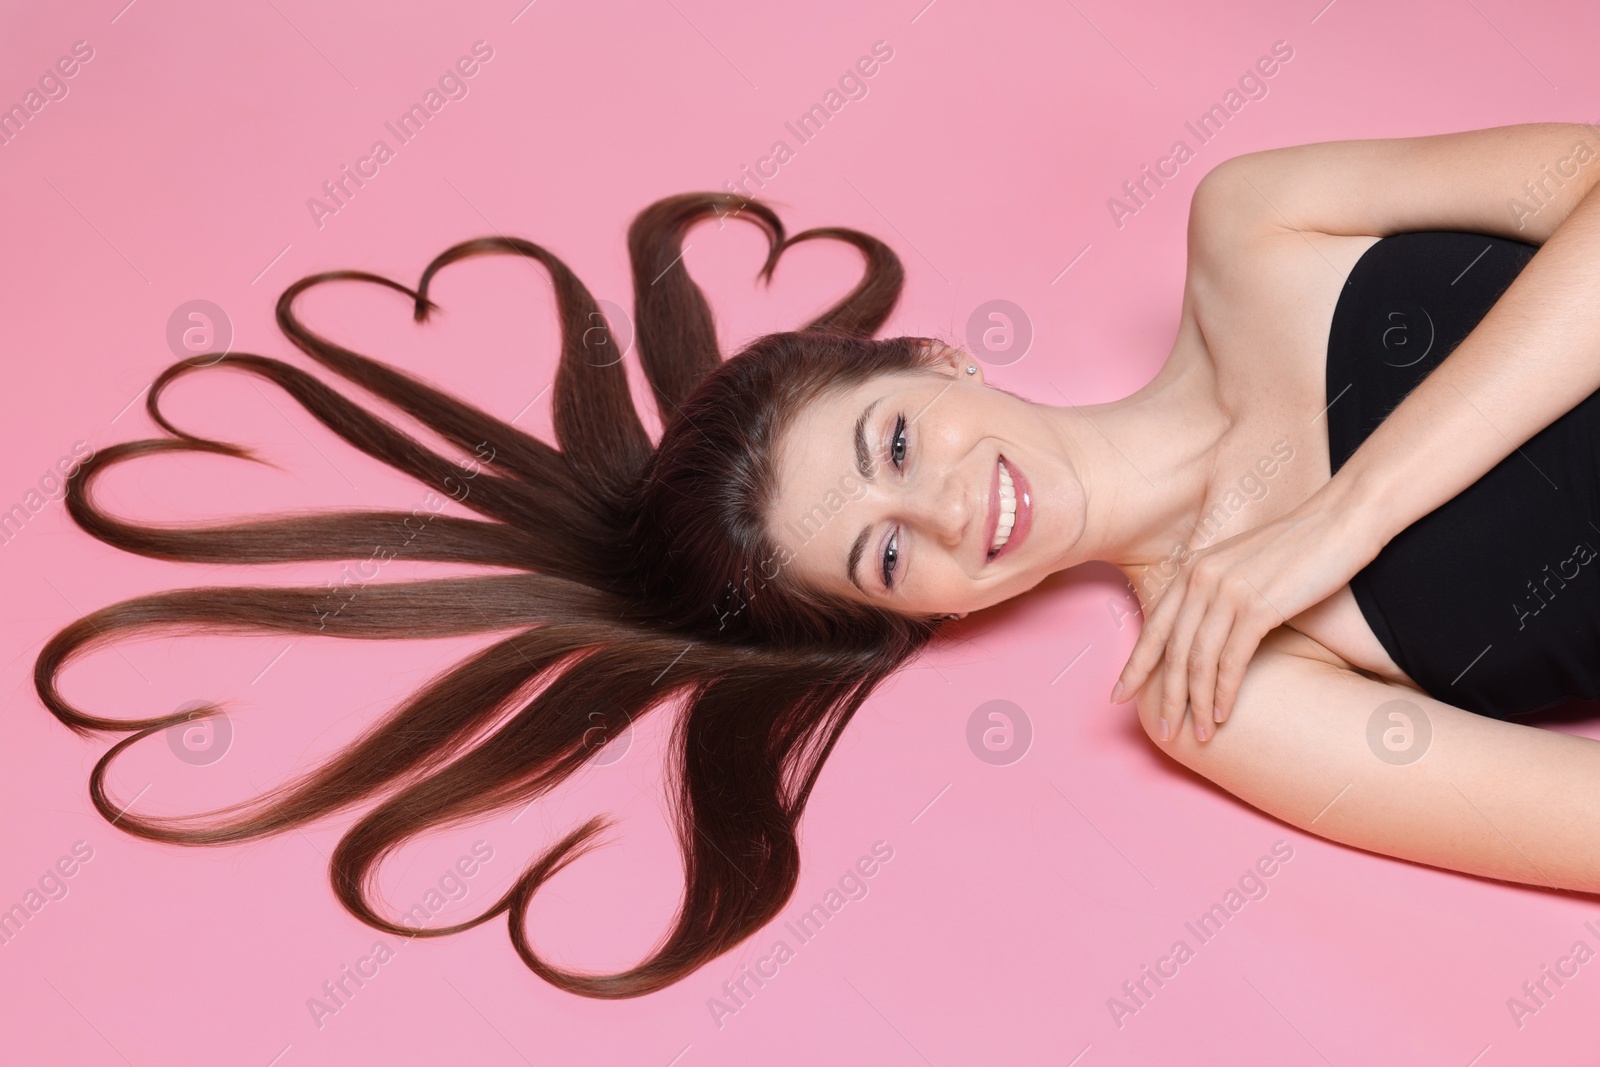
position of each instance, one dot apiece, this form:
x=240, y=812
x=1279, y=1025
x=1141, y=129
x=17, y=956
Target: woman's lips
x=1024, y=520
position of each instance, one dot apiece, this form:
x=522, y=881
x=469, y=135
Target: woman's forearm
x=1531, y=359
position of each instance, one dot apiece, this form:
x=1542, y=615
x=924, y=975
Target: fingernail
x=1218, y=714
x=1116, y=692
x=1166, y=730
x=1203, y=732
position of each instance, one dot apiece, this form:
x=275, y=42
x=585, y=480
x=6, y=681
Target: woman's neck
x=1146, y=462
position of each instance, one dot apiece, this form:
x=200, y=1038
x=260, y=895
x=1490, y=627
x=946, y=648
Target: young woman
x=818, y=504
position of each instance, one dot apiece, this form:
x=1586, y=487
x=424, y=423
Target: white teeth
x=1008, y=510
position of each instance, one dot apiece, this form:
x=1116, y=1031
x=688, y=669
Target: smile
x=1011, y=510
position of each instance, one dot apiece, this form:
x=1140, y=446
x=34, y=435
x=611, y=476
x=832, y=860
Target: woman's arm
x=1431, y=783
x=1536, y=353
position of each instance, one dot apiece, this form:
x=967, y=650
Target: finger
x=1209, y=641
x=1145, y=655
x=1175, y=684
x=1147, y=649
x=1236, y=655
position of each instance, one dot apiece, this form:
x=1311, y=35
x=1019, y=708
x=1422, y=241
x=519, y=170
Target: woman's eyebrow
x=865, y=465
x=864, y=462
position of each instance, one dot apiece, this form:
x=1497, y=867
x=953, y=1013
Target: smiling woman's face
x=925, y=492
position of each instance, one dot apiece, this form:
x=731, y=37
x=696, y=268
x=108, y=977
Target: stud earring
x=972, y=368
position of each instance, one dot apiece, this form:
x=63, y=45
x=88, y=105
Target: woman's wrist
x=1358, y=513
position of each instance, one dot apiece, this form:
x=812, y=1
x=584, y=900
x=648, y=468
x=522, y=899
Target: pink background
x=1019, y=898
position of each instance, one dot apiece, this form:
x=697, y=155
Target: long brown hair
x=645, y=576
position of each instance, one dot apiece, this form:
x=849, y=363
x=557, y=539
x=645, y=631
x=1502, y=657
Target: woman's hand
x=1226, y=599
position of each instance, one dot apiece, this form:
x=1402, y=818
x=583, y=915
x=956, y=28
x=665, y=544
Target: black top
x=1491, y=601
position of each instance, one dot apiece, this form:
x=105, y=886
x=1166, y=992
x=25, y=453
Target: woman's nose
x=942, y=508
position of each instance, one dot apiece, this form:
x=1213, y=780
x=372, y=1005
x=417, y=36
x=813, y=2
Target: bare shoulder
x=1345, y=756
x=1259, y=284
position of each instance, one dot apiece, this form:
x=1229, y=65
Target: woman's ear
x=968, y=368
x=955, y=363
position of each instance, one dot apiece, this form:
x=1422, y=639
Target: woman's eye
x=897, y=456
x=897, y=444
